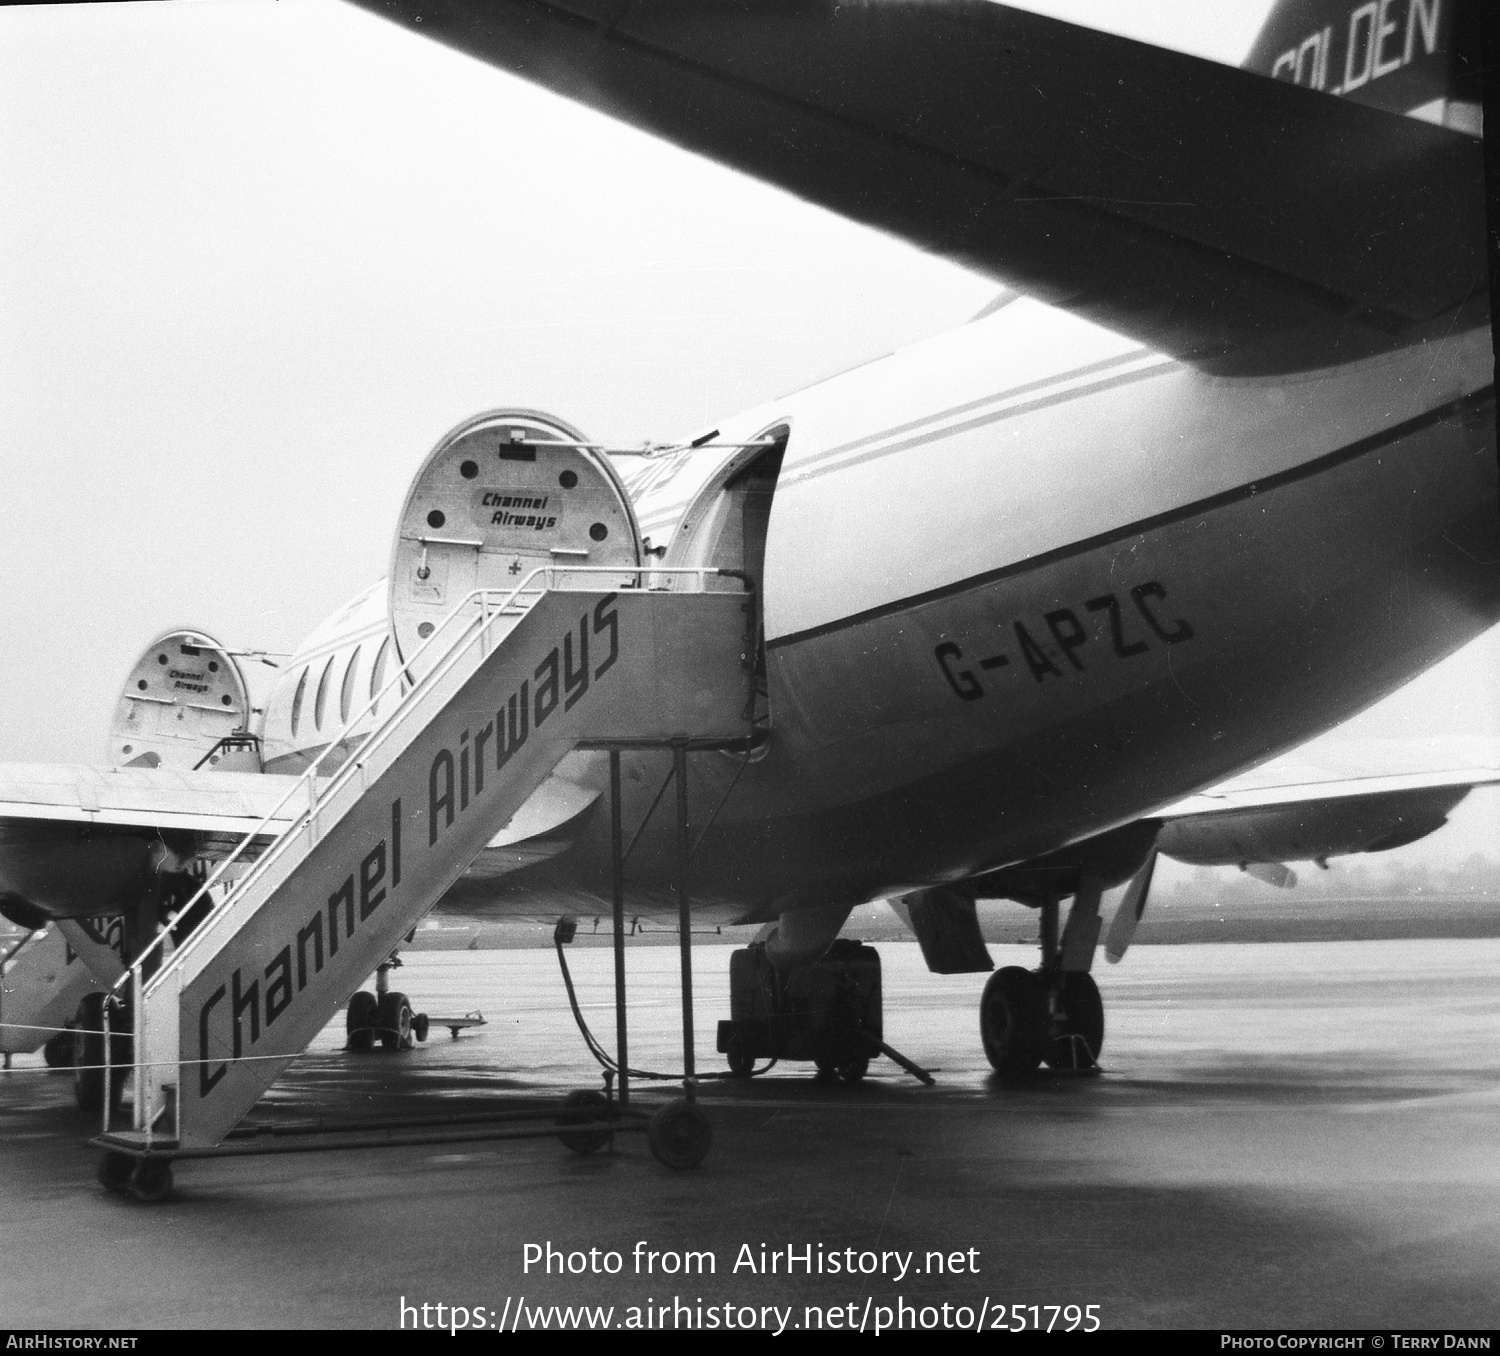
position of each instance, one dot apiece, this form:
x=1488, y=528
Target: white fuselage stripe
x=1056, y=382
x=1004, y=405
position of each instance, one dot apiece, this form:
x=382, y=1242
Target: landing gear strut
x=98, y=1013
x=1052, y=1014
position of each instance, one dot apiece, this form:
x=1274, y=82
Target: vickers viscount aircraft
x=1006, y=609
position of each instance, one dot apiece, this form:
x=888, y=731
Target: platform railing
x=477, y=614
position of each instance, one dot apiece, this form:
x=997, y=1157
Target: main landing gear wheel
x=88, y=1057
x=679, y=1135
x=394, y=1021
x=1078, y=1024
x=58, y=1051
x=420, y=1026
x=1013, y=1021
x=580, y=1108
x=741, y=1065
x=152, y=1180
x=361, y=1020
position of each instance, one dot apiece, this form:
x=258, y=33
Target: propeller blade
x=1128, y=915
x=1278, y=874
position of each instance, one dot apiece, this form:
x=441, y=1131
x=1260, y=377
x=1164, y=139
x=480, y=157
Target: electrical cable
x=607, y=1061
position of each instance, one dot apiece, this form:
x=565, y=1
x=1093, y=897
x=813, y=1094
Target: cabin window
x=297, y=701
x=377, y=673
x=346, y=692
x=320, y=703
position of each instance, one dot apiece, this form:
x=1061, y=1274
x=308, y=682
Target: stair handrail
x=377, y=735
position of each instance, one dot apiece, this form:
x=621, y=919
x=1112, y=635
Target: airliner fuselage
x=1021, y=584
x=1006, y=595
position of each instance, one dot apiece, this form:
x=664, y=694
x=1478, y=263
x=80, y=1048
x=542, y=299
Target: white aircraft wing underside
x=1235, y=222
x=220, y=808
x=155, y=798
x=1351, y=768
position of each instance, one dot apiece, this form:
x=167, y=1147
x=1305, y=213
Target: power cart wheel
x=580, y=1108
x=679, y=1135
x=853, y=1070
x=741, y=1062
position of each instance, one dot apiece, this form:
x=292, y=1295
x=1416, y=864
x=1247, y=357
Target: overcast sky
x=256, y=258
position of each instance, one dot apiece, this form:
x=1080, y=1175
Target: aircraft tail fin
x=1417, y=57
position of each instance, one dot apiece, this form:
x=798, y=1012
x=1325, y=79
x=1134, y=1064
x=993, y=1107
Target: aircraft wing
x=231, y=803
x=1349, y=769
x=44, y=807
x=79, y=841
x=1332, y=798
x=1243, y=224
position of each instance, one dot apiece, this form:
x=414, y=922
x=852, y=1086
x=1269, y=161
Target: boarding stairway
x=503, y=689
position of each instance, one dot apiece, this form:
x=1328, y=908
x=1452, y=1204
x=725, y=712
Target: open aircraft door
x=503, y=494
x=185, y=704
x=724, y=525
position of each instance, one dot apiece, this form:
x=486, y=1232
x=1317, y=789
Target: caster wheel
x=579, y=1108
x=1078, y=1032
x=394, y=1022
x=852, y=1071
x=679, y=1135
x=115, y=1171
x=152, y=1180
x=361, y=1019
x=1013, y=1021
x=419, y=1026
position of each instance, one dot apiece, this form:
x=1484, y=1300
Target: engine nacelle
x=1310, y=830
x=185, y=704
